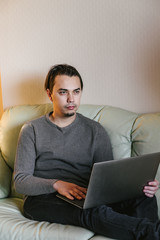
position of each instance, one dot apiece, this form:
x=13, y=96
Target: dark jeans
x=134, y=219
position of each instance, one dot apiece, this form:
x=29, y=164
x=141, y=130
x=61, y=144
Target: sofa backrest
x=130, y=134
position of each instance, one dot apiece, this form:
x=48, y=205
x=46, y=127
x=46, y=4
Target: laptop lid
x=118, y=180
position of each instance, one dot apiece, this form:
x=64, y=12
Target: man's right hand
x=70, y=190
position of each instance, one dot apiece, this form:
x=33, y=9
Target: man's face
x=66, y=95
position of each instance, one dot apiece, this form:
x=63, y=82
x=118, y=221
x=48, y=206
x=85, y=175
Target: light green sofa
x=131, y=134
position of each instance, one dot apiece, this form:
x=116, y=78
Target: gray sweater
x=47, y=153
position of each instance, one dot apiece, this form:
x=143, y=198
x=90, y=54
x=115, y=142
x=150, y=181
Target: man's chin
x=69, y=114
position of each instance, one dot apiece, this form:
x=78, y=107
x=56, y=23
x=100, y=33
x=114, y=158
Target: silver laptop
x=118, y=180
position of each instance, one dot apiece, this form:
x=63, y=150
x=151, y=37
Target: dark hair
x=60, y=69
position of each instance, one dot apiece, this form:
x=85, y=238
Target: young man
x=55, y=154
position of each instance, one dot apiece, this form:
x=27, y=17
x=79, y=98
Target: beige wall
x=114, y=44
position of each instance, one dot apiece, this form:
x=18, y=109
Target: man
x=55, y=154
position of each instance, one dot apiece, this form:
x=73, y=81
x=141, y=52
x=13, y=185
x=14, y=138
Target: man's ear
x=49, y=94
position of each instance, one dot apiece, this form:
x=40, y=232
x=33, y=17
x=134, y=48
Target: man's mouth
x=70, y=107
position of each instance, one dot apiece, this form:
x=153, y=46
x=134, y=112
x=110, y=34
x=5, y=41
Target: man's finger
x=77, y=193
x=154, y=183
x=149, y=195
x=84, y=190
x=69, y=196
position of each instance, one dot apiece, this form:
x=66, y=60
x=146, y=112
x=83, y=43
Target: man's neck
x=62, y=121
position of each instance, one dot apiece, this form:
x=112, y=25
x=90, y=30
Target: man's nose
x=70, y=97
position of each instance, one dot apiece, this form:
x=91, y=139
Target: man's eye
x=62, y=92
x=77, y=91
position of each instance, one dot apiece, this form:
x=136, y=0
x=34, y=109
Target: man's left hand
x=151, y=188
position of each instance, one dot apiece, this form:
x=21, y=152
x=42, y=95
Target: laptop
x=118, y=180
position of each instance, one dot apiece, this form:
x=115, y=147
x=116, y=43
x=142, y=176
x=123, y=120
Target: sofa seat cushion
x=14, y=226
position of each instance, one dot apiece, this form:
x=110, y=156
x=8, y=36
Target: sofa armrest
x=5, y=178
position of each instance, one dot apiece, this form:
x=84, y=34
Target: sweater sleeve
x=25, y=181
x=102, y=146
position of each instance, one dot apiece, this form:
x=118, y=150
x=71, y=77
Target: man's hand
x=70, y=190
x=151, y=188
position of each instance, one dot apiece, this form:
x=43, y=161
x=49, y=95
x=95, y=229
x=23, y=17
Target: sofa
x=131, y=134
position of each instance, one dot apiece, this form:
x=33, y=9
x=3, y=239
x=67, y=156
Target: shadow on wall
x=31, y=90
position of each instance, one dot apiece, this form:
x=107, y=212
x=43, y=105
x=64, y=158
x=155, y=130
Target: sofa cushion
x=11, y=217
x=146, y=134
x=118, y=123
